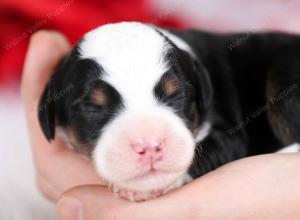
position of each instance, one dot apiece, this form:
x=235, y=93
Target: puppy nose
x=149, y=151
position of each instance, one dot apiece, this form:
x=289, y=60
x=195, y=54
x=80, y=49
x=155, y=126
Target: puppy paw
x=135, y=196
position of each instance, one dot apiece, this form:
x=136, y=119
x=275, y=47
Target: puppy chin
x=152, y=182
x=116, y=161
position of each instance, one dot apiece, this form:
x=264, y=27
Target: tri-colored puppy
x=154, y=108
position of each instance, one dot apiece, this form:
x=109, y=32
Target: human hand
x=58, y=168
x=252, y=188
x=260, y=187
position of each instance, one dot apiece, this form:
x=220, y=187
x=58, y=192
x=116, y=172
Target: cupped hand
x=261, y=187
x=58, y=168
x=255, y=188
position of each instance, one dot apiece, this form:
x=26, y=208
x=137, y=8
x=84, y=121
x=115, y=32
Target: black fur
x=74, y=109
x=245, y=119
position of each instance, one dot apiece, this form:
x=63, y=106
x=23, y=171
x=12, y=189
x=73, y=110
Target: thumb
x=97, y=203
x=92, y=202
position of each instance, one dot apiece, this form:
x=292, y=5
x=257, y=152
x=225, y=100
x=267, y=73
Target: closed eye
x=85, y=107
x=92, y=107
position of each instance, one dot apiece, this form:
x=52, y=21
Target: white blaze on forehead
x=132, y=56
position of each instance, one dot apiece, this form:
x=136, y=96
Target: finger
x=46, y=49
x=92, y=203
x=58, y=167
x=96, y=203
x=216, y=195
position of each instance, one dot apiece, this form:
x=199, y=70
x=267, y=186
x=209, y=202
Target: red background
x=19, y=19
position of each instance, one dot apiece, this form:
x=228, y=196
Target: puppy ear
x=46, y=112
x=203, y=86
x=199, y=79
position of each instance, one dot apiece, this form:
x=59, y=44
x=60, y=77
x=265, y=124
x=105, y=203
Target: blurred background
x=19, y=19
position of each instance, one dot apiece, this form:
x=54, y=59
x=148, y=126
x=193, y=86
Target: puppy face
x=135, y=108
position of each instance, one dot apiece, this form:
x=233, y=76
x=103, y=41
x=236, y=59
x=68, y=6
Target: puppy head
x=135, y=105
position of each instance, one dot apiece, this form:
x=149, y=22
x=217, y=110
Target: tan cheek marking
x=98, y=97
x=78, y=145
x=170, y=86
x=72, y=138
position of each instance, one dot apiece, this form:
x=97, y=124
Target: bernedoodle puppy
x=154, y=108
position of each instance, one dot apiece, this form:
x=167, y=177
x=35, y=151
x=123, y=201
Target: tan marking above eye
x=98, y=97
x=170, y=86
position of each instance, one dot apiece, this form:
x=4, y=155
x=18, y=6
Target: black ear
x=46, y=111
x=203, y=86
x=199, y=78
x=49, y=104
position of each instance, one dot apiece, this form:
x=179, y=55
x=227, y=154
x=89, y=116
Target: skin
x=45, y=50
x=261, y=187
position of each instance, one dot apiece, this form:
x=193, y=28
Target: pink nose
x=149, y=152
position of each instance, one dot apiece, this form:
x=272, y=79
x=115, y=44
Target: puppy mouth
x=152, y=172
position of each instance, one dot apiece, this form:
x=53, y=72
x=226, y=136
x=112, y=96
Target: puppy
x=154, y=109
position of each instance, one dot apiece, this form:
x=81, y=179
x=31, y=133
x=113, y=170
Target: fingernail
x=70, y=209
